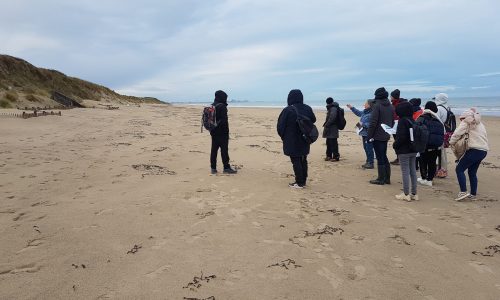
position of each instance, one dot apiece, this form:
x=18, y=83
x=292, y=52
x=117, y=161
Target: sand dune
x=101, y=204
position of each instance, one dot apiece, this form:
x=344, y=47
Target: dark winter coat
x=435, y=127
x=402, y=141
x=382, y=113
x=330, y=128
x=294, y=144
x=222, y=128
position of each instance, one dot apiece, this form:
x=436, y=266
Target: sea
x=488, y=106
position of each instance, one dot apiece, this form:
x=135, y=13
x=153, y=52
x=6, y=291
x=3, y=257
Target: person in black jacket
x=428, y=158
x=403, y=147
x=294, y=144
x=331, y=130
x=220, y=135
x=382, y=113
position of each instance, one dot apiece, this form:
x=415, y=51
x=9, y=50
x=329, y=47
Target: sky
x=259, y=50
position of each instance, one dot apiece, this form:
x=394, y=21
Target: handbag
x=461, y=146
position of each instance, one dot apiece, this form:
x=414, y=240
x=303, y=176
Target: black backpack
x=341, y=122
x=209, y=117
x=419, y=136
x=309, y=131
x=451, y=121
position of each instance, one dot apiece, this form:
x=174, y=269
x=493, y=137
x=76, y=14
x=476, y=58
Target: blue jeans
x=380, y=148
x=470, y=162
x=370, y=156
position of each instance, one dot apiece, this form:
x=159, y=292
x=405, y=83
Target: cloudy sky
x=258, y=50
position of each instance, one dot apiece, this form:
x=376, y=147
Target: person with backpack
x=363, y=124
x=406, y=152
x=428, y=158
x=220, y=134
x=477, y=148
x=448, y=118
x=382, y=113
x=296, y=143
x=331, y=130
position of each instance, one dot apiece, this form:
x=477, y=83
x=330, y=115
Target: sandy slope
x=74, y=192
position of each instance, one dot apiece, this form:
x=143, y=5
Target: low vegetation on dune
x=22, y=84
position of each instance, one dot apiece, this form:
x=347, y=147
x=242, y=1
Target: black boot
x=387, y=174
x=381, y=176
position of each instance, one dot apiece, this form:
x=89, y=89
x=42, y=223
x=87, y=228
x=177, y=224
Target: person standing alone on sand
x=294, y=144
x=363, y=124
x=331, y=130
x=403, y=147
x=382, y=113
x=220, y=135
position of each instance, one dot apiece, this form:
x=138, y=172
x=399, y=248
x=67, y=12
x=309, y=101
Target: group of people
x=378, y=117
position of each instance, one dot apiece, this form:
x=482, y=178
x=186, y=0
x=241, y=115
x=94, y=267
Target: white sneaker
x=426, y=182
x=419, y=180
x=295, y=186
x=402, y=196
x=461, y=196
x=414, y=197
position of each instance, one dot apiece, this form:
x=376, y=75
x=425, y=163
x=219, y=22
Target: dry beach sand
x=101, y=204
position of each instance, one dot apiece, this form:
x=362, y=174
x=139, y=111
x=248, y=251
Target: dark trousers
x=332, y=148
x=428, y=164
x=380, y=148
x=300, y=169
x=222, y=142
x=470, y=162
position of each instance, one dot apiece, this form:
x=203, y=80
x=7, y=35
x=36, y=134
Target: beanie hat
x=381, y=93
x=220, y=97
x=329, y=100
x=395, y=94
x=431, y=105
x=415, y=101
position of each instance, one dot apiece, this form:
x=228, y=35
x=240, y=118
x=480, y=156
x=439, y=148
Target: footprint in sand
x=436, y=246
x=32, y=244
x=480, y=267
x=158, y=271
x=28, y=268
x=359, y=273
x=397, y=261
x=423, y=229
x=334, y=280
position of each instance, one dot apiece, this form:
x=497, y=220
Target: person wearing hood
x=331, y=130
x=220, y=135
x=477, y=151
x=382, y=113
x=403, y=147
x=417, y=110
x=441, y=100
x=363, y=124
x=294, y=145
x=428, y=158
